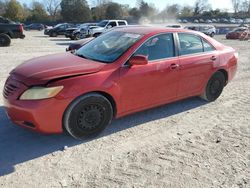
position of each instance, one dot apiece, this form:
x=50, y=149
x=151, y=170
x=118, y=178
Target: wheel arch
x=110, y=98
x=103, y=93
x=225, y=73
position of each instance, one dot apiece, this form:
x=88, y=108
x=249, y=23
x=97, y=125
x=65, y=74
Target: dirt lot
x=185, y=144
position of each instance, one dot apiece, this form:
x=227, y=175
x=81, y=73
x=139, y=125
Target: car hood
x=43, y=69
x=98, y=28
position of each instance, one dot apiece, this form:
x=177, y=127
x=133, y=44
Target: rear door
x=197, y=57
x=155, y=83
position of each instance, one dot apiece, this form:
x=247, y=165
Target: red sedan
x=121, y=72
x=237, y=33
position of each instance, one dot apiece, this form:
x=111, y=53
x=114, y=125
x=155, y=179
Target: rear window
x=192, y=44
x=121, y=23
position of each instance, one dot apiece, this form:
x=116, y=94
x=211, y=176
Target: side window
x=190, y=44
x=158, y=47
x=121, y=23
x=112, y=24
x=62, y=27
x=207, y=47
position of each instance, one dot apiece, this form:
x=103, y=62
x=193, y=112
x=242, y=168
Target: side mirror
x=138, y=60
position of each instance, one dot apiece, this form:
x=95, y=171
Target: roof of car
x=148, y=29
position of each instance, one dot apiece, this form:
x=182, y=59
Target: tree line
x=80, y=11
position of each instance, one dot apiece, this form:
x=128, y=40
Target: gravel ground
x=185, y=144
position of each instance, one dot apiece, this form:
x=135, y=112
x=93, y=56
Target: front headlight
x=36, y=93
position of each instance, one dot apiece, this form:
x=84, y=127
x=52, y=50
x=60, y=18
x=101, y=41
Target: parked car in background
x=239, y=21
x=82, y=32
x=121, y=72
x=236, y=33
x=209, y=30
x=69, y=31
x=34, y=26
x=105, y=25
x=5, y=20
x=59, y=29
x=208, y=21
x=247, y=21
x=214, y=20
x=10, y=31
x=78, y=44
x=175, y=26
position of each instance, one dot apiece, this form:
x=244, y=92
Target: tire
x=53, y=34
x=214, y=87
x=5, y=40
x=88, y=116
x=79, y=36
x=96, y=35
x=212, y=34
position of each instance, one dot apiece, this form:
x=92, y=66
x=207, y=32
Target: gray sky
x=160, y=4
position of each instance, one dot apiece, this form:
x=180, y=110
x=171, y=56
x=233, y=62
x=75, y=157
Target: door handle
x=213, y=58
x=174, y=66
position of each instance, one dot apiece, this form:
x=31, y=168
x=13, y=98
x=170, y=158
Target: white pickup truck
x=105, y=25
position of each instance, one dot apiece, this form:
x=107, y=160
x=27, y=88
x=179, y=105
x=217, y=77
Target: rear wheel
x=88, y=116
x=4, y=40
x=96, y=35
x=214, y=87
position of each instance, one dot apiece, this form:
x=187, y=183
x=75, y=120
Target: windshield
x=58, y=25
x=108, y=47
x=102, y=23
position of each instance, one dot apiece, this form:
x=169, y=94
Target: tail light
x=21, y=28
x=236, y=54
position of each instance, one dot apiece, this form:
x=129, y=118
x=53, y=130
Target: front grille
x=9, y=89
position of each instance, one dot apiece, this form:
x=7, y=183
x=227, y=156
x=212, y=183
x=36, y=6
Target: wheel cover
x=2, y=40
x=90, y=117
x=215, y=87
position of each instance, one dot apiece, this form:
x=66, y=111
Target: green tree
x=14, y=11
x=75, y=10
x=147, y=10
x=187, y=11
x=53, y=8
x=135, y=14
x=38, y=13
x=114, y=11
x=200, y=6
x=2, y=8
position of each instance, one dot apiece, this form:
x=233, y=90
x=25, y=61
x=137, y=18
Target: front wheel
x=214, y=87
x=88, y=116
x=53, y=34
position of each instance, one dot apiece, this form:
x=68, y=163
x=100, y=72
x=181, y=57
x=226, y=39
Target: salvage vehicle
x=236, y=33
x=106, y=25
x=76, y=32
x=34, y=26
x=10, y=31
x=59, y=29
x=121, y=72
x=209, y=30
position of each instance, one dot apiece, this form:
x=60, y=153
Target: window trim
x=194, y=34
x=153, y=61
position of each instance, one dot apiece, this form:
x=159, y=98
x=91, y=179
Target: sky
x=161, y=4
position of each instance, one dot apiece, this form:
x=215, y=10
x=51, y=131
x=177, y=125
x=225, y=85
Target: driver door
x=144, y=86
